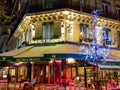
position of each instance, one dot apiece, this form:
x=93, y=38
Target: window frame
x=48, y=26
x=106, y=11
x=118, y=12
x=108, y=36
x=84, y=28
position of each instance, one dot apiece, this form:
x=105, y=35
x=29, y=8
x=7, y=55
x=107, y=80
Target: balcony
x=58, y=5
x=111, y=15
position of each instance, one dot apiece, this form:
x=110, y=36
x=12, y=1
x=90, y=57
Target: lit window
x=48, y=31
x=84, y=31
x=106, y=36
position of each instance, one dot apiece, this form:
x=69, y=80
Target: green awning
x=47, y=23
x=117, y=63
x=107, y=29
x=31, y=59
x=81, y=24
x=7, y=58
x=118, y=32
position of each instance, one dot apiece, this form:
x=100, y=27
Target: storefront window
x=89, y=72
x=80, y=71
x=3, y=73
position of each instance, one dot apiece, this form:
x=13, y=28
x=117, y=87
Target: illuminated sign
x=35, y=59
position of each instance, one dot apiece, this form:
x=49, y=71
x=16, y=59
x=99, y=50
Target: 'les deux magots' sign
x=36, y=59
x=27, y=59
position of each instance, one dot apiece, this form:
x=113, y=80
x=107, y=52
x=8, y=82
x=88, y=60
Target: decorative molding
x=64, y=14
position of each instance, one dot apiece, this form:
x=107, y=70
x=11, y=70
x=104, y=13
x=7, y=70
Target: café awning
x=114, y=58
x=40, y=51
x=62, y=51
x=16, y=51
x=8, y=56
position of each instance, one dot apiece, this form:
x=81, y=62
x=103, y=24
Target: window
x=84, y=31
x=118, y=12
x=47, y=4
x=48, y=31
x=118, y=35
x=84, y=2
x=106, y=36
x=106, y=7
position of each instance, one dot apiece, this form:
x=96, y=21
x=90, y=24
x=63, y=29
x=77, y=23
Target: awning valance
x=8, y=56
x=109, y=67
x=105, y=67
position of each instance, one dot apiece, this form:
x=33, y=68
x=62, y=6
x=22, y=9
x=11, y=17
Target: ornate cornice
x=63, y=14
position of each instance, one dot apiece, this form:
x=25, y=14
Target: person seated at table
x=111, y=83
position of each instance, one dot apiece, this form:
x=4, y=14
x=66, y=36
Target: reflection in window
x=106, y=7
x=47, y=3
x=84, y=31
x=106, y=36
x=118, y=12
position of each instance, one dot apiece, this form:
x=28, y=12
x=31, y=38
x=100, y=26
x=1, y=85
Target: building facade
x=47, y=22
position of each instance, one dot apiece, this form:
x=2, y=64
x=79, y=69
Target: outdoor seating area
x=21, y=86
x=29, y=86
x=24, y=86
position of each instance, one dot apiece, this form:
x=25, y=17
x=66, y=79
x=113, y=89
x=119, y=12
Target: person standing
x=111, y=83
